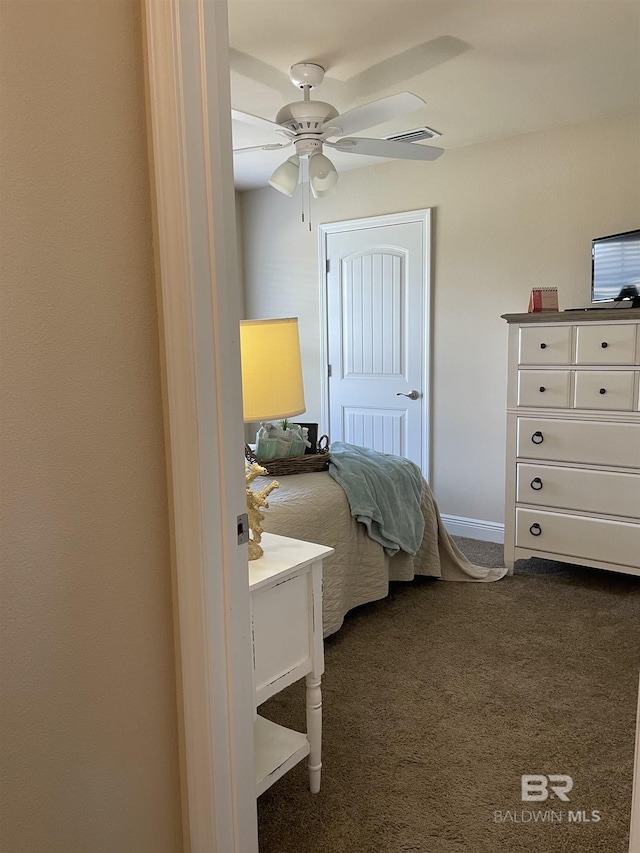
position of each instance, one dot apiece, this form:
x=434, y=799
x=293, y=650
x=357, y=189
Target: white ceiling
x=485, y=68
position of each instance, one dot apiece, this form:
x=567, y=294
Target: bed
x=315, y=508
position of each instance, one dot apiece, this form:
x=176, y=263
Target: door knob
x=412, y=395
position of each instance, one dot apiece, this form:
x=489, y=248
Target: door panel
x=372, y=299
x=381, y=430
x=378, y=338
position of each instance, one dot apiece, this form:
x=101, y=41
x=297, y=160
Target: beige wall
x=89, y=756
x=508, y=215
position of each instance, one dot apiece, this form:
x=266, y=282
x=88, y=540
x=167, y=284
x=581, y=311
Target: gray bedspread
x=314, y=507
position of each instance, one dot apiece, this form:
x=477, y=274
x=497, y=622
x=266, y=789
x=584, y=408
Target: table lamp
x=271, y=389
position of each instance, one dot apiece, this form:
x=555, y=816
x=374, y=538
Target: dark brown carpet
x=438, y=698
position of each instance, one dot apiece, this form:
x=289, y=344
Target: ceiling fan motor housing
x=305, y=116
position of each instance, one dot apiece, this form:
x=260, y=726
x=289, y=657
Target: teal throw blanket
x=384, y=493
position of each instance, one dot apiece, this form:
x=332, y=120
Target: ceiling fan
x=310, y=125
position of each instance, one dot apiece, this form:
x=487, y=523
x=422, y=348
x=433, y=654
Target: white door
x=378, y=333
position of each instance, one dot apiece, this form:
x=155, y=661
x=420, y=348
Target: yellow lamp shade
x=271, y=369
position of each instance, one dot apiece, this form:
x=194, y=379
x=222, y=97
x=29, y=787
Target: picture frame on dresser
x=572, y=489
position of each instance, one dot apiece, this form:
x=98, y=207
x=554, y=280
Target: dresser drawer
x=587, y=442
x=545, y=345
x=604, y=389
x=579, y=536
x=579, y=489
x=607, y=344
x=548, y=388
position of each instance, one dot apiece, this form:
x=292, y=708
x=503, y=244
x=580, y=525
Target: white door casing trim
x=189, y=118
x=423, y=217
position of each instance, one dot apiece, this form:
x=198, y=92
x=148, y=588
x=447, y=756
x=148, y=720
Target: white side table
x=286, y=613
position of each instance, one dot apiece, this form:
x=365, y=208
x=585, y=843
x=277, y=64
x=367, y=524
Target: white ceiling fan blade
x=272, y=146
x=374, y=113
x=257, y=121
x=387, y=148
x=254, y=69
x=403, y=66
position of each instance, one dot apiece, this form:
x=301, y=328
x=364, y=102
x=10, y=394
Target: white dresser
x=573, y=439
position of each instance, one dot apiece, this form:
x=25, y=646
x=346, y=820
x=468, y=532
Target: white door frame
x=423, y=217
x=189, y=116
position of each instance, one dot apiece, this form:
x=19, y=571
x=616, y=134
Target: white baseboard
x=474, y=528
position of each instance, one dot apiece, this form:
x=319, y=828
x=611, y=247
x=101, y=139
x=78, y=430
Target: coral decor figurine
x=255, y=502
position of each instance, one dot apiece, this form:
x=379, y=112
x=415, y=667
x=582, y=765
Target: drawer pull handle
x=537, y=437
x=536, y=484
x=603, y=390
x=604, y=344
x=543, y=346
x=535, y=530
x=542, y=389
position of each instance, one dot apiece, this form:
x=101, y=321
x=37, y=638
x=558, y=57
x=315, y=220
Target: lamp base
x=255, y=501
x=255, y=550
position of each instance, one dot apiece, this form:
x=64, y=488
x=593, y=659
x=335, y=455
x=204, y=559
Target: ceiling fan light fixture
x=285, y=177
x=322, y=175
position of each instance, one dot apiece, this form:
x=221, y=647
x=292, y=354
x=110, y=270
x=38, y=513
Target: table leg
x=314, y=731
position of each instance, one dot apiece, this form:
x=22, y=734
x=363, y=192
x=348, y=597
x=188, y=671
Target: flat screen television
x=615, y=268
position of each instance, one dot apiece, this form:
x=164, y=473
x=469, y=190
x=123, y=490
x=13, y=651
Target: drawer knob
x=603, y=390
x=543, y=346
x=535, y=530
x=536, y=484
x=537, y=437
x=542, y=389
x=604, y=344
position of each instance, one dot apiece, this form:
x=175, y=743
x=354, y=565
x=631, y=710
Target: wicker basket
x=284, y=465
